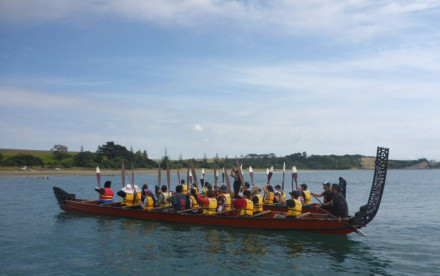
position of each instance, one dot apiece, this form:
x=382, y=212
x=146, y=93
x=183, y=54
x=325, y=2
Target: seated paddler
x=268, y=194
x=129, y=197
x=306, y=194
x=178, y=201
x=106, y=193
x=245, y=204
x=148, y=202
x=163, y=195
x=223, y=192
x=210, y=203
x=257, y=199
x=338, y=205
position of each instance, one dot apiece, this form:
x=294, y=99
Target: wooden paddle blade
x=215, y=174
x=123, y=174
x=159, y=177
x=240, y=173
x=132, y=175
x=194, y=175
x=228, y=184
x=98, y=177
x=168, y=176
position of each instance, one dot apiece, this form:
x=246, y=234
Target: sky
x=207, y=77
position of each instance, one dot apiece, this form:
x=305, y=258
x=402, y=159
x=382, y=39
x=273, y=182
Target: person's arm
x=317, y=195
x=282, y=199
x=101, y=191
x=264, y=188
x=121, y=194
x=233, y=174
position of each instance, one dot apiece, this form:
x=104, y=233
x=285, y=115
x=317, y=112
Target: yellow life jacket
x=294, y=211
x=204, y=190
x=197, y=191
x=165, y=202
x=212, y=207
x=128, y=200
x=194, y=202
x=150, y=203
x=259, y=206
x=249, y=209
x=268, y=199
x=184, y=189
x=307, y=199
x=227, y=201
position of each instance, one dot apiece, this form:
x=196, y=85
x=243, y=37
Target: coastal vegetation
x=110, y=156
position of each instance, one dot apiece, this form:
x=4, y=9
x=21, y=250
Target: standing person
x=306, y=194
x=338, y=206
x=257, y=199
x=227, y=197
x=105, y=194
x=269, y=194
x=178, y=200
x=163, y=195
x=237, y=181
x=327, y=194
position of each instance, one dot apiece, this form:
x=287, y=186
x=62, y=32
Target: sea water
x=36, y=237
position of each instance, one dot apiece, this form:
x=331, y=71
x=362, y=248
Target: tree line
x=110, y=155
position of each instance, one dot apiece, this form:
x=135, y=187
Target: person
x=129, y=198
x=105, y=194
x=138, y=192
x=184, y=187
x=177, y=200
x=294, y=206
x=279, y=197
x=247, y=186
x=269, y=194
x=216, y=191
x=327, y=194
x=210, y=203
x=227, y=197
x=237, y=181
x=338, y=206
x=257, y=199
x=148, y=202
x=192, y=201
x=245, y=204
x=306, y=194
x=163, y=195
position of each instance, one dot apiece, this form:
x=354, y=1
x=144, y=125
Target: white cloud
x=197, y=128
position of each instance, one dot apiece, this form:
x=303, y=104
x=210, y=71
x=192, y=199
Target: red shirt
x=240, y=203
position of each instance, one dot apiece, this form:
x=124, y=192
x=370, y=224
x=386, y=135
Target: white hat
x=127, y=189
x=136, y=188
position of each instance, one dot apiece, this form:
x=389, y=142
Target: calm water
x=36, y=237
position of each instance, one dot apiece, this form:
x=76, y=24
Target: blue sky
x=222, y=77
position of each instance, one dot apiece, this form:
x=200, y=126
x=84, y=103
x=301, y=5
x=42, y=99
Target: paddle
x=294, y=177
x=284, y=174
x=168, y=176
x=358, y=231
x=159, y=177
x=98, y=177
x=202, y=178
x=269, y=175
x=251, y=174
x=187, y=179
x=123, y=174
x=240, y=173
x=178, y=178
x=228, y=184
x=187, y=210
x=261, y=213
x=215, y=174
x=194, y=175
x=132, y=175
x=223, y=175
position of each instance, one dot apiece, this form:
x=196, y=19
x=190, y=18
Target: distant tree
x=145, y=154
x=60, y=152
x=84, y=159
x=82, y=149
x=23, y=160
x=165, y=159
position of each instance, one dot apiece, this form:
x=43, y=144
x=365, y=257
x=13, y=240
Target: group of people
x=217, y=200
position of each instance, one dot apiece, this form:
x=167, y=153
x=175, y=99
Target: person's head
x=247, y=185
x=179, y=188
x=136, y=188
x=247, y=194
x=335, y=188
x=194, y=185
x=270, y=188
x=164, y=188
x=144, y=187
x=182, y=181
x=294, y=194
x=128, y=189
x=210, y=193
x=256, y=190
x=304, y=187
x=223, y=189
x=278, y=187
x=220, y=200
x=326, y=185
x=208, y=186
x=107, y=184
x=193, y=192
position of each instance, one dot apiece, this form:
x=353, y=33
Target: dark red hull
x=283, y=209
x=311, y=223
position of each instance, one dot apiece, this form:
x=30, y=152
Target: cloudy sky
x=228, y=77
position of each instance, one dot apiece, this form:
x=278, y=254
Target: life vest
x=184, y=189
x=249, y=209
x=107, y=197
x=197, y=190
x=165, y=202
x=128, y=200
x=307, y=199
x=212, y=207
x=204, y=190
x=150, y=203
x=294, y=211
x=194, y=202
x=259, y=206
x=180, y=201
x=227, y=201
x=268, y=199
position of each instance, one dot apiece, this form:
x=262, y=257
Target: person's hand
x=339, y=219
x=318, y=206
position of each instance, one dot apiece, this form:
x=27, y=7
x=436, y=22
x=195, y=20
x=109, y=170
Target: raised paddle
x=123, y=174
x=284, y=175
x=187, y=178
x=215, y=174
x=178, y=178
x=159, y=177
x=228, y=184
x=132, y=175
x=251, y=174
x=168, y=177
x=240, y=173
x=358, y=231
x=98, y=177
x=194, y=175
x=269, y=175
